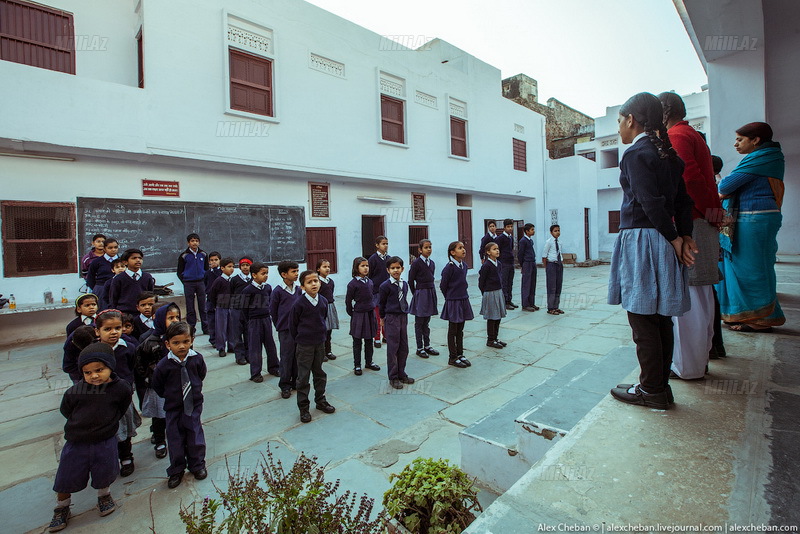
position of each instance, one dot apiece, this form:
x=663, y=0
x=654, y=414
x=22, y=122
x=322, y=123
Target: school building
x=271, y=127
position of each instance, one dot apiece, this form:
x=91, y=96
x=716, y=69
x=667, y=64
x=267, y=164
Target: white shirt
x=132, y=273
x=148, y=321
x=109, y=258
x=549, y=251
x=226, y=277
x=323, y=279
x=119, y=342
x=456, y=263
x=288, y=289
x=258, y=286
x=244, y=277
x=176, y=359
x=643, y=134
x=313, y=300
x=493, y=261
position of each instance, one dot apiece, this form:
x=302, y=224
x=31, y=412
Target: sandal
x=750, y=329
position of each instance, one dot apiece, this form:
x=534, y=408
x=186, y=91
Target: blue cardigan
x=454, y=281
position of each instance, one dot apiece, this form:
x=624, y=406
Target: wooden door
x=371, y=227
x=465, y=232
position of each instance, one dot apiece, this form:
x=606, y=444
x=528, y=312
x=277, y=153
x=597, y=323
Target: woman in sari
x=752, y=196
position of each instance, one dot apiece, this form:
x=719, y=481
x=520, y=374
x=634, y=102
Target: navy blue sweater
x=256, y=301
x=388, y=298
x=454, y=281
x=124, y=291
x=69, y=363
x=377, y=271
x=485, y=240
x=125, y=354
x=209, y=277
x=489, y=277
x=192, y=267
x=280, y=307
x=99, y=272
x=93, y=412
x=220, y=293
x=307, y=322
x=326, y=289
x=420, y=276
x=506, y=245
x=166, y=382
x=653, y=192
x=75, y=323
x=358, y=297
x=525, y=251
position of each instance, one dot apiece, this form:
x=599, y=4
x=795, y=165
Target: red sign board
x=320, y=200
x=418, y=206
x=158, y=188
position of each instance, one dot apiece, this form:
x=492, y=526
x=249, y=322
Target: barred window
x=37, y=35
x=38, y=238
x=520, y=151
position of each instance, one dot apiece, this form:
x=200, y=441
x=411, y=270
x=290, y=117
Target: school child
x=192, y=267
x=108, y=327
x=212, y=274
x=93, y=408
x=125, y=290
x=554, y=270
x=326, y=290
x=236, y=320
x=151, y=351
x=423, y=301
x=178, y=379
x=307, y=328
x=492, y=302
x=490, y=237
x=526, y=256
x=280, y=307
x=378, y=274
x=143, y=322
x=220, y=295
x=79, y=339
x=255, y=310
x=506, y=243
x=117, y=267
x=100, y=272
x=393, y=303
x=95, y=251
x=85, y=310
x=358, y=303
x=456, y=309
x=127, y=330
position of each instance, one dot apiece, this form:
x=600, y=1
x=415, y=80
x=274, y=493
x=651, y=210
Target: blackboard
x=265, y=233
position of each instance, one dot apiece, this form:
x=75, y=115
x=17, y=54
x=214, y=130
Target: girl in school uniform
x=423, y=302
x=326, y=290
x=363, y=325
x=85, y=310
x=456, y=310
x=493, y=307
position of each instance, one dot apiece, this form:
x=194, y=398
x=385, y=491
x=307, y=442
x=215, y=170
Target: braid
x=648, y=111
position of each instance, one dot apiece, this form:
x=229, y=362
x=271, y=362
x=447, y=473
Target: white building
x=606, y=150
x=246, y=102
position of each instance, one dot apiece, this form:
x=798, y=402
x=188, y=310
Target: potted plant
x=430, y=497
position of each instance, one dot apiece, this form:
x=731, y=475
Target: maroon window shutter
x=458, y=137
x=520, y=155
x=613, y=222
x=36, y=35
x=392, y=127
x=140, y=56
x=321, y=245
x=251, y=83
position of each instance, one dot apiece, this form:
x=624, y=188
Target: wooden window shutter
x=251, y=83
x=520, y=155
x=321, y=245
x=458, y=137
x=613, y=222
x=37, y=35
x=392, y=127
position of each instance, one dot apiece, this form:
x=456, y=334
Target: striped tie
x=186, y=386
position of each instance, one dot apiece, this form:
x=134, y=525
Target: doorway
x=465, y=232
x=586, y=232
x=371, y=227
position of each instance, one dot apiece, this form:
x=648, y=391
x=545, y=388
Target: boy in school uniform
x=393, y=303
x=309, y=331
x=505, y=242
x=124, y=291
x=554, y=270
x=178, y=378
x=143, y=322
x=259, y=325
x=280, y=307
x=220, y=295
x=238, y=326
x=93, y=253
x=192, y=267
x=117, y=268
x=526, y=255
x=378, y=274
x=212, y=274
x=100, y=271
x=489, y=237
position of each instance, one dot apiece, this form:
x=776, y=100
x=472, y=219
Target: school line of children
x=134, y=344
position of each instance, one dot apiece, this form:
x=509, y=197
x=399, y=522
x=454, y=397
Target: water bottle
x=12, y=302
x=64, y=299
x=48, y=296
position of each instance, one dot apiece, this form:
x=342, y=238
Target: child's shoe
x=305, y=416
x=330, y=356
x=376, y=344
x=431, y=351
x=127, y=468
x=161, y=450
x=422, y=353
x=175, y=480
x=358, y=371
x=106, y=505
x=60, y=519
x=222, y=353
x=407, y=380
x=373, y=366
x=396, y=384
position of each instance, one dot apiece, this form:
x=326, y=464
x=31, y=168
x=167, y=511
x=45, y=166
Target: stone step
x=501, y=447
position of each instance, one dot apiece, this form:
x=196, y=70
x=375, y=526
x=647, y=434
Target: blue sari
x=747, y=292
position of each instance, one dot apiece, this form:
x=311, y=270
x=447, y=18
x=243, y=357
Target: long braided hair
x=647, y=111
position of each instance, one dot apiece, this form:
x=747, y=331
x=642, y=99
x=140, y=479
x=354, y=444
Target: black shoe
x=325, y=406
x=358, y=371
x=502, y=342
x=456, y=362
x=60, y=519
x=200, y=475
x=407, y=380
x=241, y=362
x=510, y=307
x=175, y=481
x=305, y=416
x=658, y=401
x=222, y=354
x=376, y=344
x=670, y=398
x=331, y=356
x=494, y=344
x=535, y=307
x=373, y=366
x=431, y=351
x=161, y=450
x=465, y=361
x=286, y=393
x=257, y=379
x=529, y=308
x=275, y=373
x=422, y=353
x=396, y=384
x=559, y=311
x=325, y=358
x=127, y=469
x=514, y=305
x=153, y=439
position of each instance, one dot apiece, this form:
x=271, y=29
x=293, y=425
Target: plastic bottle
x=12, y=302
x=48, y=296
x=64, y=299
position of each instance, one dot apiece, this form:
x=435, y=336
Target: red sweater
x=698, y=172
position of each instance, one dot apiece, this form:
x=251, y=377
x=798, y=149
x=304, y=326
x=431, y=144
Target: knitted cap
x=98, y=352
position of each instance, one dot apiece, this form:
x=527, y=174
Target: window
x=38, y=238
x=520, y=155
x=37, y=35
x=140, y=56
x=415, y=235
x=588, y=155
x=458, y=137
x=251, y=83
x=392, y=126
x=321, y=243
x=609, y=158
x=613, y=222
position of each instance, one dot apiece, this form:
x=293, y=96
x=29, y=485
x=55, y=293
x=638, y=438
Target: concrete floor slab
x=470, y=410
x=558, y=358
x=455, y=385
x=26, y=461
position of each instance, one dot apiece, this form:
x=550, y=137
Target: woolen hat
x=98, y=352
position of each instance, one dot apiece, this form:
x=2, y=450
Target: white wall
x=571, y=187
